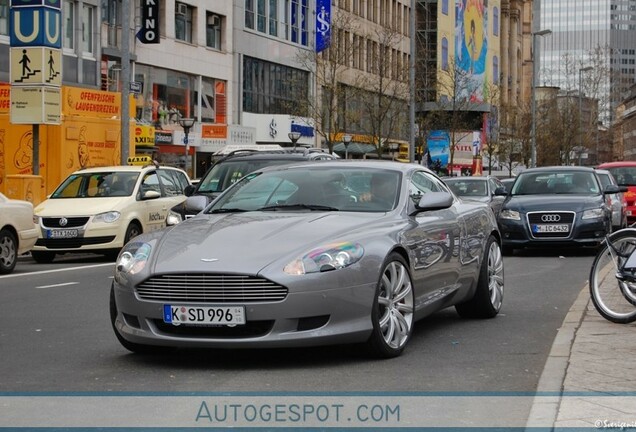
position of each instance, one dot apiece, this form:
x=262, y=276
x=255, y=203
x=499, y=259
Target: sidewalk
x=592, y=368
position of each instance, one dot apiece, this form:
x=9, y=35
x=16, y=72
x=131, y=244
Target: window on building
x=68, y=14
x=261, y=16
x=495, y=21
x=249, y=14
x=88, y=19
x=445, y=7
x=273, y=17
x=445, y=54
x=183, y=22
x=4, y=17
x=495, y=70
x=270, y=88
x=213, y=30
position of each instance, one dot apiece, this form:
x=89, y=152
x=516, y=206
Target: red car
x=625, y=174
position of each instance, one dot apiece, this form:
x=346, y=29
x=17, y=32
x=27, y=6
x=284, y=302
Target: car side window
x=422, y=183
x=494, y=184
x=170, y=186
x=150, y=182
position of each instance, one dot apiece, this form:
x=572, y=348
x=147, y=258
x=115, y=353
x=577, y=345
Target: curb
x=545, y=409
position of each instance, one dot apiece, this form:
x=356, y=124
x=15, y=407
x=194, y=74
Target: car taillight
x=629, y=196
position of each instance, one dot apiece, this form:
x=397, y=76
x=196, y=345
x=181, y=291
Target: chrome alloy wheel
x=395, y=302
x=8, y=252
x=495, y=275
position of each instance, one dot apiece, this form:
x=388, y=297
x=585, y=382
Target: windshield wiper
x=298, y=207
x=227, y=210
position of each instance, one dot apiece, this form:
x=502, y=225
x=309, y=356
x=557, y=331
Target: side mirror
x=195, y=203
x=612, y=189
x=433, y=201
x=501, y=191
x=189, y=189
x=173, y=219
x=148, y=195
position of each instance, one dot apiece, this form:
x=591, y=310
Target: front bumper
x=303, y=318
x=518, y=234
x=91, y=237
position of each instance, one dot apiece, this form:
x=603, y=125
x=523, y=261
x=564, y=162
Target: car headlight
x=108, y=217
x=510, y=214
x=133, y=258
x=329, y=257
x=596, y=213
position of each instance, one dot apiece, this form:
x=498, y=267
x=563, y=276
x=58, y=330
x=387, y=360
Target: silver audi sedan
x=311, y=254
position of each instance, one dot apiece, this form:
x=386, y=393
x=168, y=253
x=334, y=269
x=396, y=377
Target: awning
x=354, y=148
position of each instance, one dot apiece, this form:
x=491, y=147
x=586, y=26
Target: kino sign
x=36, y=61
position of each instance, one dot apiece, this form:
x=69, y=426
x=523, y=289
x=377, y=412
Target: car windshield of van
x=625, y=176
x=97, y=185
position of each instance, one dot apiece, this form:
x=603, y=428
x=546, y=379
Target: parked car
x=100, y=209
x=294, y=256
x=229, y=169
x=616, y=201
x=555, y=206
x=17, y=231
x=484, y=189
x=625, y=174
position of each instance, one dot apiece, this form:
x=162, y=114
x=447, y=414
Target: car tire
x=8, y=251
x=43, y=257
x=132, y=231
x=392, y=312
x=130, y=346
x=488, y=296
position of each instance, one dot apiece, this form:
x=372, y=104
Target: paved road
x=55, y=335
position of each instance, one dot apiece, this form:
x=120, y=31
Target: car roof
x=354, y=163
x=124, y=168
x=558, y=168
x=286, y=154
x=617, y=164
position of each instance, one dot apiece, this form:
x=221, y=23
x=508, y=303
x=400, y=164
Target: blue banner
x=323, y=24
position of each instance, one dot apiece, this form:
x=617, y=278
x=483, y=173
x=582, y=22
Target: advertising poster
x=438, y=142
x=471, y=46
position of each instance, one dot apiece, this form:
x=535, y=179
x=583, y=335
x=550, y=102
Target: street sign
x=35, y=26
x=135, y=87
x=35, y=105
x=36, y=65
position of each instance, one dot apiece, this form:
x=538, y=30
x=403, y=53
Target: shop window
x=68, y=14
x=88, y=17
x=4, y=17
x=183, y=22
x=213, y=30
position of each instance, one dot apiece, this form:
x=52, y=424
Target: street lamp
x=581, y=70
x=346, y=139
x=533, y=138
x=186, y=123
x=294, y=137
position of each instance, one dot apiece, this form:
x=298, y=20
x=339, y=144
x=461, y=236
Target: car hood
x=248, y=242
x=477, y=199
x=578, y=203
x=79, y=206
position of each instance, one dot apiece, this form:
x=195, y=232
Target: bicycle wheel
x=615, y=300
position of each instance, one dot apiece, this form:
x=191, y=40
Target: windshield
x=224, y=174
x=625, y=176
x=313, y=189
x=97, y=185
x=565, y=183
x=468, y=187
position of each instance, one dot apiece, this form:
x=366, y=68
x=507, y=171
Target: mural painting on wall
x=471, y=47
x=23, y=156
x=2, y=171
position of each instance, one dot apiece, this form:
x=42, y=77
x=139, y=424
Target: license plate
x=204, y=315
x=550, y=228
x=62, y=233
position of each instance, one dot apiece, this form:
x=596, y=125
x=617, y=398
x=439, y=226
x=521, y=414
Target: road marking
x=57, y=285
x=56, y=270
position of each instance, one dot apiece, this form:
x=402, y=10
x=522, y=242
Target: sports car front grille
x=210, y=288
x=250, y=329
x=72, y=222
x=551, y=218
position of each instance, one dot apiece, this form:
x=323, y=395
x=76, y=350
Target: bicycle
x=613, y=277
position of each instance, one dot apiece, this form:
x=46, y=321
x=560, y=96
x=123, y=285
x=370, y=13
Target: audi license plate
x=550, y=228
x=62, y=233
x=204, y=315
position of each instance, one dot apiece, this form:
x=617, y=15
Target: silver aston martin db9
x=311, y=254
